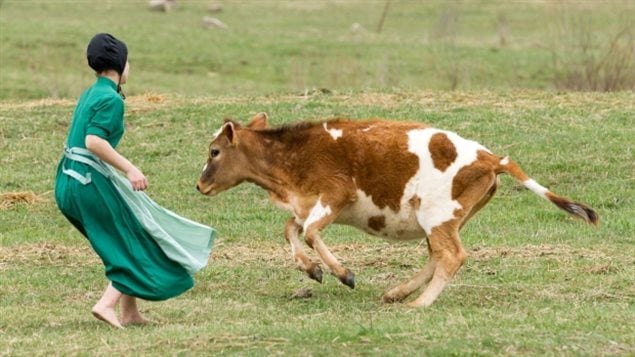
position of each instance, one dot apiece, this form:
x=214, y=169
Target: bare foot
x=136, y=319
x=108, y=315
x=130, y=314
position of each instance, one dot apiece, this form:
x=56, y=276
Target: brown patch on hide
x=471, y=174
x=474, y=185
x=377, y=223
x=415, y=202
x=383, y=165
x=442, y=151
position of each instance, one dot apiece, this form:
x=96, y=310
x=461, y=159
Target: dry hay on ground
x=10, y=199
x=387, y=255
x=46, y=254
x=374, y=255
x=429, y=99
x=146, y=102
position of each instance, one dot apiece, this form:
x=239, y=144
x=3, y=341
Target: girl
x=148, y=251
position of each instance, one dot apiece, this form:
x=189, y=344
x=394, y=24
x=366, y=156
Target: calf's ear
x=258, y=121
x=229, y=131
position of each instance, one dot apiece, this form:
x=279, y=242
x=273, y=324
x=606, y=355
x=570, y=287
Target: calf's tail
x=576, y=209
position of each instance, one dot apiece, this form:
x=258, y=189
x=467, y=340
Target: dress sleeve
x=108, y=117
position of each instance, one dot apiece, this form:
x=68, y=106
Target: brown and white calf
x=397, y=180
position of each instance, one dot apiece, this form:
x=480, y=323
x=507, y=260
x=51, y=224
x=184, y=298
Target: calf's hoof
x=315, y=273
x=348, y=279
x=394, y=295
x=416, y=305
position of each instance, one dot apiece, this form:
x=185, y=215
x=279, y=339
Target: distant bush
x=583, y=60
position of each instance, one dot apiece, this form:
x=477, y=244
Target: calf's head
x=227, y=159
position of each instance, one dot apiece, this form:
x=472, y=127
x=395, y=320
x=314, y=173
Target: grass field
x=536, y=282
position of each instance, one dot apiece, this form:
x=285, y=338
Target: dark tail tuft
x=576, y=209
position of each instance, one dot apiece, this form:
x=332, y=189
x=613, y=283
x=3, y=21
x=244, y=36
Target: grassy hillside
x=537, y=282
x=289, y=46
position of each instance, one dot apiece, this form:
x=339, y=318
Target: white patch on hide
x=318, y=212
x=335, y=133
x=536, y=187
x=433, y=186
x=505, y=161
x=204, y=168
x=399, y=226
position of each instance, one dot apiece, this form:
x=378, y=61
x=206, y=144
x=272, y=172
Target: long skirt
x=136, y=262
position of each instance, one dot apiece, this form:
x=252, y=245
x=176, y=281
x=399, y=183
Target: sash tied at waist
x=86, y=157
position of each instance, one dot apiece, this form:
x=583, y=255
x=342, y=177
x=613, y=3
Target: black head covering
x=106, y=52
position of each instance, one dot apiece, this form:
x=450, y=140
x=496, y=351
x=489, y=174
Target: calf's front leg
x=292, y=231
x=320, y=217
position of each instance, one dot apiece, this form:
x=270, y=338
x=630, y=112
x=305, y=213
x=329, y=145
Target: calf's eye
x=214, y=152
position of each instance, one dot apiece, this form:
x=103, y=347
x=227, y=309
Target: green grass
x=537, y=282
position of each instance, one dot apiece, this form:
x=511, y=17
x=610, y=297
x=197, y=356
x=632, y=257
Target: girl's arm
x=102, y=149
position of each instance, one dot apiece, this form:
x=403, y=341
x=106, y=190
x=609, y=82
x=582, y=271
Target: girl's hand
x=137, y=179
x=104, y=151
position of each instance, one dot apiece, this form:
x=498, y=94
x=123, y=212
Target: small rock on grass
x=302, y=293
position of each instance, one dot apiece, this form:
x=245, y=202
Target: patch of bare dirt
x=534, y=251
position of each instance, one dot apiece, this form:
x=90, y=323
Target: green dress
x=134, y=261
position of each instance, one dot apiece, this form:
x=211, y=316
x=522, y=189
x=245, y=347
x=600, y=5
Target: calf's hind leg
x=404, y=290
x=448, y=254
x=444, y=244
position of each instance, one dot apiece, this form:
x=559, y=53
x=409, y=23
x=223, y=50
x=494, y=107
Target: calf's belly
x=383, y=223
